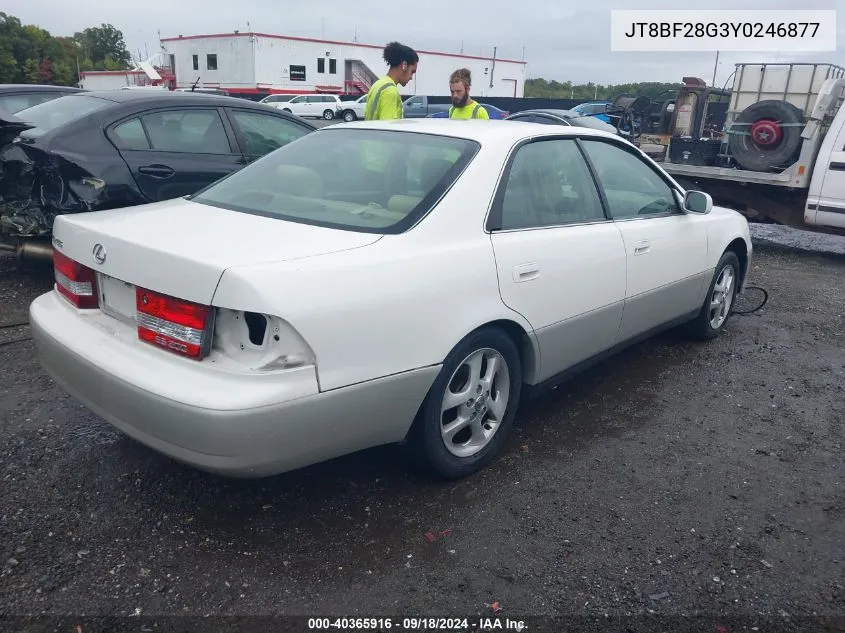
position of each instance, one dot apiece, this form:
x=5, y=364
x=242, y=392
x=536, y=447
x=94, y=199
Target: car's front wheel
x=468, y=414
x=714, y=314
x=349, y=116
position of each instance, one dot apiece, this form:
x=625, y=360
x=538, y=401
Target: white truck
x=781, y=156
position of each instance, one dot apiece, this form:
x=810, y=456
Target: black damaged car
x=94, y=151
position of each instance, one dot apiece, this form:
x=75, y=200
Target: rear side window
x=51, y=114
x=263, y=133
x=191, y=131
x=549, y=184
x=130, y=135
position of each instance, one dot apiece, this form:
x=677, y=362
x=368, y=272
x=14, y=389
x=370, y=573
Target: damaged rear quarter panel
x=73, y=169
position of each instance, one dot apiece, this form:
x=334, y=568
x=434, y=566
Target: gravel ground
x=674, y=479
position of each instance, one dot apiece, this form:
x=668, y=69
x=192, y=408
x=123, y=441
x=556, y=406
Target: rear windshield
x=354, y=179
x=51, y=114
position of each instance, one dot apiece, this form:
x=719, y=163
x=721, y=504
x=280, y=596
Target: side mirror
x=698, y=202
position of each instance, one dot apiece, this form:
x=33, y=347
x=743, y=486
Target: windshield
x=51, y=114
x=371, y=181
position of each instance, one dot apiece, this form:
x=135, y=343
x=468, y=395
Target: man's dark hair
x=396, y=53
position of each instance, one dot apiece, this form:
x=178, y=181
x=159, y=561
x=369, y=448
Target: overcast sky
x=561, y=42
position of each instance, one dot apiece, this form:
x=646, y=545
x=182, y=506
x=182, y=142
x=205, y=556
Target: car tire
x=328, y=115
x=349, y=116
x=716, y=309
x=488, y=420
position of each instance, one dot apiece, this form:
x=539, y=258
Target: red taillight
x=173, y=324
x=77, y=283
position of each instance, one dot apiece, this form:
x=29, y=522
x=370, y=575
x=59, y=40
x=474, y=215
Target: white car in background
x=277, y=99
x=379, y=282
x=319, y=106
x=354, y=110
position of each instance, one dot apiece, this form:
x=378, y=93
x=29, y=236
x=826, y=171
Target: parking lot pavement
x=675, y=477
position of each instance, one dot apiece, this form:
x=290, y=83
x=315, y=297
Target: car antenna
x=193, y=88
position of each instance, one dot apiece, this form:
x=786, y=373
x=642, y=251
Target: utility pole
x=715, y=68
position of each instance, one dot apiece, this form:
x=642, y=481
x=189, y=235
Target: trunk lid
x=181, y=248
x=10, y=127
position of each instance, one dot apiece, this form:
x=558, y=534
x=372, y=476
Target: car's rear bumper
x=241, y=440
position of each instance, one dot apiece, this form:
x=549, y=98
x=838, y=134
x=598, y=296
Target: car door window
x=549, y=184
x=263, y=133
x=193, y=131
x=633, y=189
x=130, y=135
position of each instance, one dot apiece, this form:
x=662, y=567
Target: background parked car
x=492, y=111
x=561, y=117
x=277, y=99
x=420, y=106
x=117, y=148
x=17, y=97
x=353, y=110
x=314, y=106
x=594, y=108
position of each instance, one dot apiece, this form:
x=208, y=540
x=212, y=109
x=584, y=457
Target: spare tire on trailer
x=766, y=135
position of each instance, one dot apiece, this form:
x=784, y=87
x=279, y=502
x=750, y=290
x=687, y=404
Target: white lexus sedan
x=379, y=282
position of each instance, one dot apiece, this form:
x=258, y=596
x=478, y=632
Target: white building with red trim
x=263, y=63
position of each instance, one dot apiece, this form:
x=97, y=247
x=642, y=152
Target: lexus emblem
x=99, y=253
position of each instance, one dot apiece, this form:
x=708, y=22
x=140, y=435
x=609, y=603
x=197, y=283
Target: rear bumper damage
x=237, y=425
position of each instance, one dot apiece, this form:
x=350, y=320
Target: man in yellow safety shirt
x=384, y=102
x=463, y=106
x=383, y=99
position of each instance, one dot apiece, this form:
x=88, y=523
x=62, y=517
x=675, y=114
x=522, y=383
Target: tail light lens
x=77, y=283
x=182, y=327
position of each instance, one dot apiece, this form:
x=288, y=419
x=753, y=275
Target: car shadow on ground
x=377, y=494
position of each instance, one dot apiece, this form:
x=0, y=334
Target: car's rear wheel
x=716, y=310
x=468, y=414
x=328, y=115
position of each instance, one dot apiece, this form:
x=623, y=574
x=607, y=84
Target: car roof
x=38, y=87
x=480, y=130
x=566, y=114
x=164, y=96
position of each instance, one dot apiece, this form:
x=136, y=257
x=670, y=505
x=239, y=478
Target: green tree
x=32, y=75
x=545, y=89
x=31, y=54
x=103, y=42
